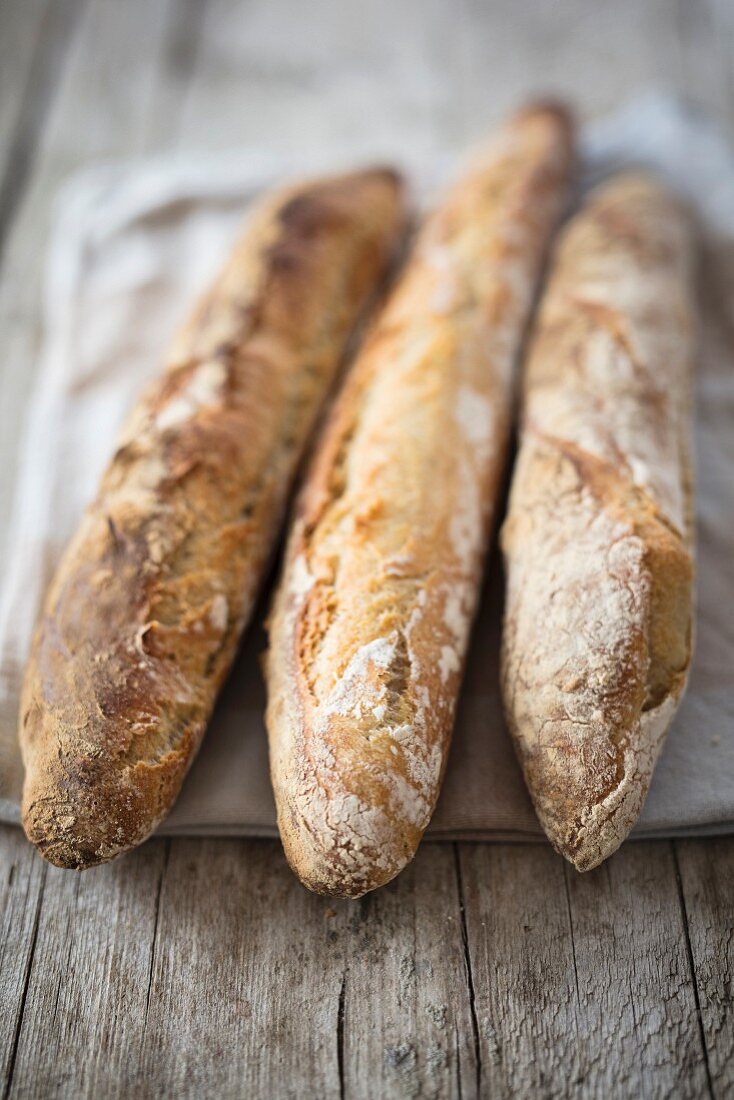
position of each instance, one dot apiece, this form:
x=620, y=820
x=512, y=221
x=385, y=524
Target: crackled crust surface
x=597, y=543
x=143, y=616
x=370, y=624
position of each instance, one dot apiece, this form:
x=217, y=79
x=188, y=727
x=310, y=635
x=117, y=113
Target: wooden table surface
x=201, y=967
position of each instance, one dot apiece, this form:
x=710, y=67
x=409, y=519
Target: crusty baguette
x=142, y=619
x=370, y=624
x=597, y=543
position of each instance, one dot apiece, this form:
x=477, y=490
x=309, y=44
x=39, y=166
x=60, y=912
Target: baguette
x=597, y=542
x=143, y=616
x=371, y=620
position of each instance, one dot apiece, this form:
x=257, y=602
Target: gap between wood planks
x=26, y=983
x=692, y=966
x=468, y=971
x=154, y=940
x=566, y=871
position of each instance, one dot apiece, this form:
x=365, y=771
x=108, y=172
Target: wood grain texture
x=521, y=954
x=177, y=62
x=306, y=995
x=706, y=878
x=323, y=80
x=22, y=881
x=88, y=990
x=635, y=987
x=212, y=972
x=407, y=1027
x=246, y=978
x=582, y=983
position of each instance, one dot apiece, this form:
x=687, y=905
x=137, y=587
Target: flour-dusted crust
x=370, y=624
x=597, y=543
x=143, y=616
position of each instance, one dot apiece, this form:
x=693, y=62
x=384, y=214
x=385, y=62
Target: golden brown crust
x=597, y=637
x=371, y=620
x=143, y=616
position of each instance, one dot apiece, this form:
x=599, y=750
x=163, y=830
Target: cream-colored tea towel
x=132, y=247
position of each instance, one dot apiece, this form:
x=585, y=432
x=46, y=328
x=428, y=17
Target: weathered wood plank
x=22, y=877
x=407, y=1024
x=521, y=958
x=321, y=81
x=177, y=64
x=582, y=982
x=640, y=1033
x=246, y=980
x=86, y=1001
x=381, y=983
x=707, y=888
x=34, y=37
x=221, y=949
x=598, y=55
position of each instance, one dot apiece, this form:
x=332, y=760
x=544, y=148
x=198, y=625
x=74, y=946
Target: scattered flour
x=203, y=388
x=219, y=613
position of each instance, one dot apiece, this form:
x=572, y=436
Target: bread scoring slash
x=598, y=539
x=371, y=620
x=142, y=618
